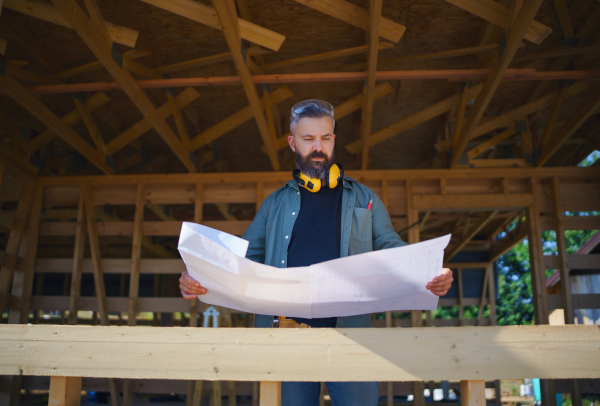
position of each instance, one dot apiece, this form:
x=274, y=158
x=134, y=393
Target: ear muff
x=314, y=184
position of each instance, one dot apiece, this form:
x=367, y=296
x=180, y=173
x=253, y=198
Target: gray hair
x=312, y=108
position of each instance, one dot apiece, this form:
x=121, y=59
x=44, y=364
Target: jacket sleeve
x=256, y=234
x=384, y=235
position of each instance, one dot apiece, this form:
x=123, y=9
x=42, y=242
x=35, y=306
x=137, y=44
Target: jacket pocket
x=361, y=232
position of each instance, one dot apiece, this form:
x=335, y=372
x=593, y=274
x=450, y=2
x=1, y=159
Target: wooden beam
x=345, y=108
x=472, y=393
x=562, y=12
x=11, y=252
x=357, y=16
x=77, y=260
x=231, y=29
x=204, y=61
x=512, y=352
x=583, y=112
x=235, y=120
x=414, y=119
x=139, y=128
x=513, y=41
x=558, y=52
x=97, y=65
x=484, y=146
x=553, y=115
x=91, y=126
x=42, y=113
x=468, y=235
x=179, y=121
x=498, y=14
x=136, y=256
x=65, y=391
x=208, y=16
x=324, y=56
x=80, y=23
x=70, y=119
x=450, y=74
x=92, y=230
x=368, y=99
x=270, y=393
x=47, y=12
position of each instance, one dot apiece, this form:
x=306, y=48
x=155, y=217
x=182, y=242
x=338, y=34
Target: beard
x=315, y=169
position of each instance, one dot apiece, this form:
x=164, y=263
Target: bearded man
x=319, y=215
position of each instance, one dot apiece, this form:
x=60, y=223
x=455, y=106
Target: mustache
x=316, y=154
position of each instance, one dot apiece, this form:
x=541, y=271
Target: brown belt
x=282, y=322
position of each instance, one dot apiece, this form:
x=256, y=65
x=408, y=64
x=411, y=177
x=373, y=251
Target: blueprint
x=378, y=281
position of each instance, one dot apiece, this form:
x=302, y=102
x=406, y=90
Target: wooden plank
x=513, y=41
x=368, y=90
x=136, y=256
x=70, y=119
x=207, y=60
x=65, y=391
x=111, y=266
x=553, y=115
x=231, y=29
x=270, y=393
x=357, y=16
x=11, y=251
x=563, y=16
x=575, y=261
x=95, y=251
x=208, y=16
x=97, y=65
x=561, y=247
x=414, y=119
x=496, y=201
x=114, y=304
x=472, y=393
x=91, y=126
x=572, y=223
x=75, y=15
x=470, y=233
x=583, y=112
x=497, y=14
x=179, y=121
x=324, y=56
x=47, y=12
x=183, y=99
x=22, y=284
x=236, y=119
x=512, y=352
x=580, y=301
x=536, y=258
x=46, y=116
x=484, y=146
x=77, y=263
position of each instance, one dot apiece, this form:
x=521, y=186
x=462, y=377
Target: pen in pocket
x=369, y=205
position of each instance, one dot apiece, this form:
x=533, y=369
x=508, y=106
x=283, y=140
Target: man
x=319, y=215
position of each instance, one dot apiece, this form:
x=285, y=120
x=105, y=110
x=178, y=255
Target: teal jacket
x=362, y=231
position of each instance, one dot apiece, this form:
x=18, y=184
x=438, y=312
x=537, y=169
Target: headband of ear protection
x=314, y=184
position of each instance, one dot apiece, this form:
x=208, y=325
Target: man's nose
x=318, y=144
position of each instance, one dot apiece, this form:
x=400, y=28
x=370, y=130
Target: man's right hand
x=189, y=286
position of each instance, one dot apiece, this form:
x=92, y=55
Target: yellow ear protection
x=313, y=184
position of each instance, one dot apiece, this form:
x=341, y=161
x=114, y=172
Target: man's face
x=313, y=141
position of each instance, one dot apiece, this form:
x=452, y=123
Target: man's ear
x=291, y=142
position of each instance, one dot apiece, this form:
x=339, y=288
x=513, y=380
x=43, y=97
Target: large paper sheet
x=390, y=279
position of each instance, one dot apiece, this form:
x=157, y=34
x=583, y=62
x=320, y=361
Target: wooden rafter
x=369, y=88
x=414, y=119
x=229, y=22
x=234, y=120
x=495, y=140
x=585, y=110
x=498, y=14
x=80, y=23
x=97, y=65
x=513, y=41
x=562, y=12
x=357, y=16
x=204, y=61
x=47, y=12
x=554, y=110
x=70, y=119
x=42, y=113
x=468, y=234
x=206, y=15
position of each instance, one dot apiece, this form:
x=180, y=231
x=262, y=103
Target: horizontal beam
x=496, y=201
x=575, y=261
x=47, y=12
x=111, y=266
x=580, y=301
x=113, y=304
x=452, y=74
x=237, y=354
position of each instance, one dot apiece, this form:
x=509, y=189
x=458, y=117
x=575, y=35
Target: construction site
x=122, y=119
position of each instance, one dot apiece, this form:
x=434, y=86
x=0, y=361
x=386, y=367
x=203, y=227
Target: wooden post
x=136, y=255
x=64, y=391
x=270, y=393
x=77, y=259
x=461, y=316
x=491, y=293
x=472, y=393
x=538, y=279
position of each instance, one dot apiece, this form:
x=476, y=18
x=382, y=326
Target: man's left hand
x=440, y=285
